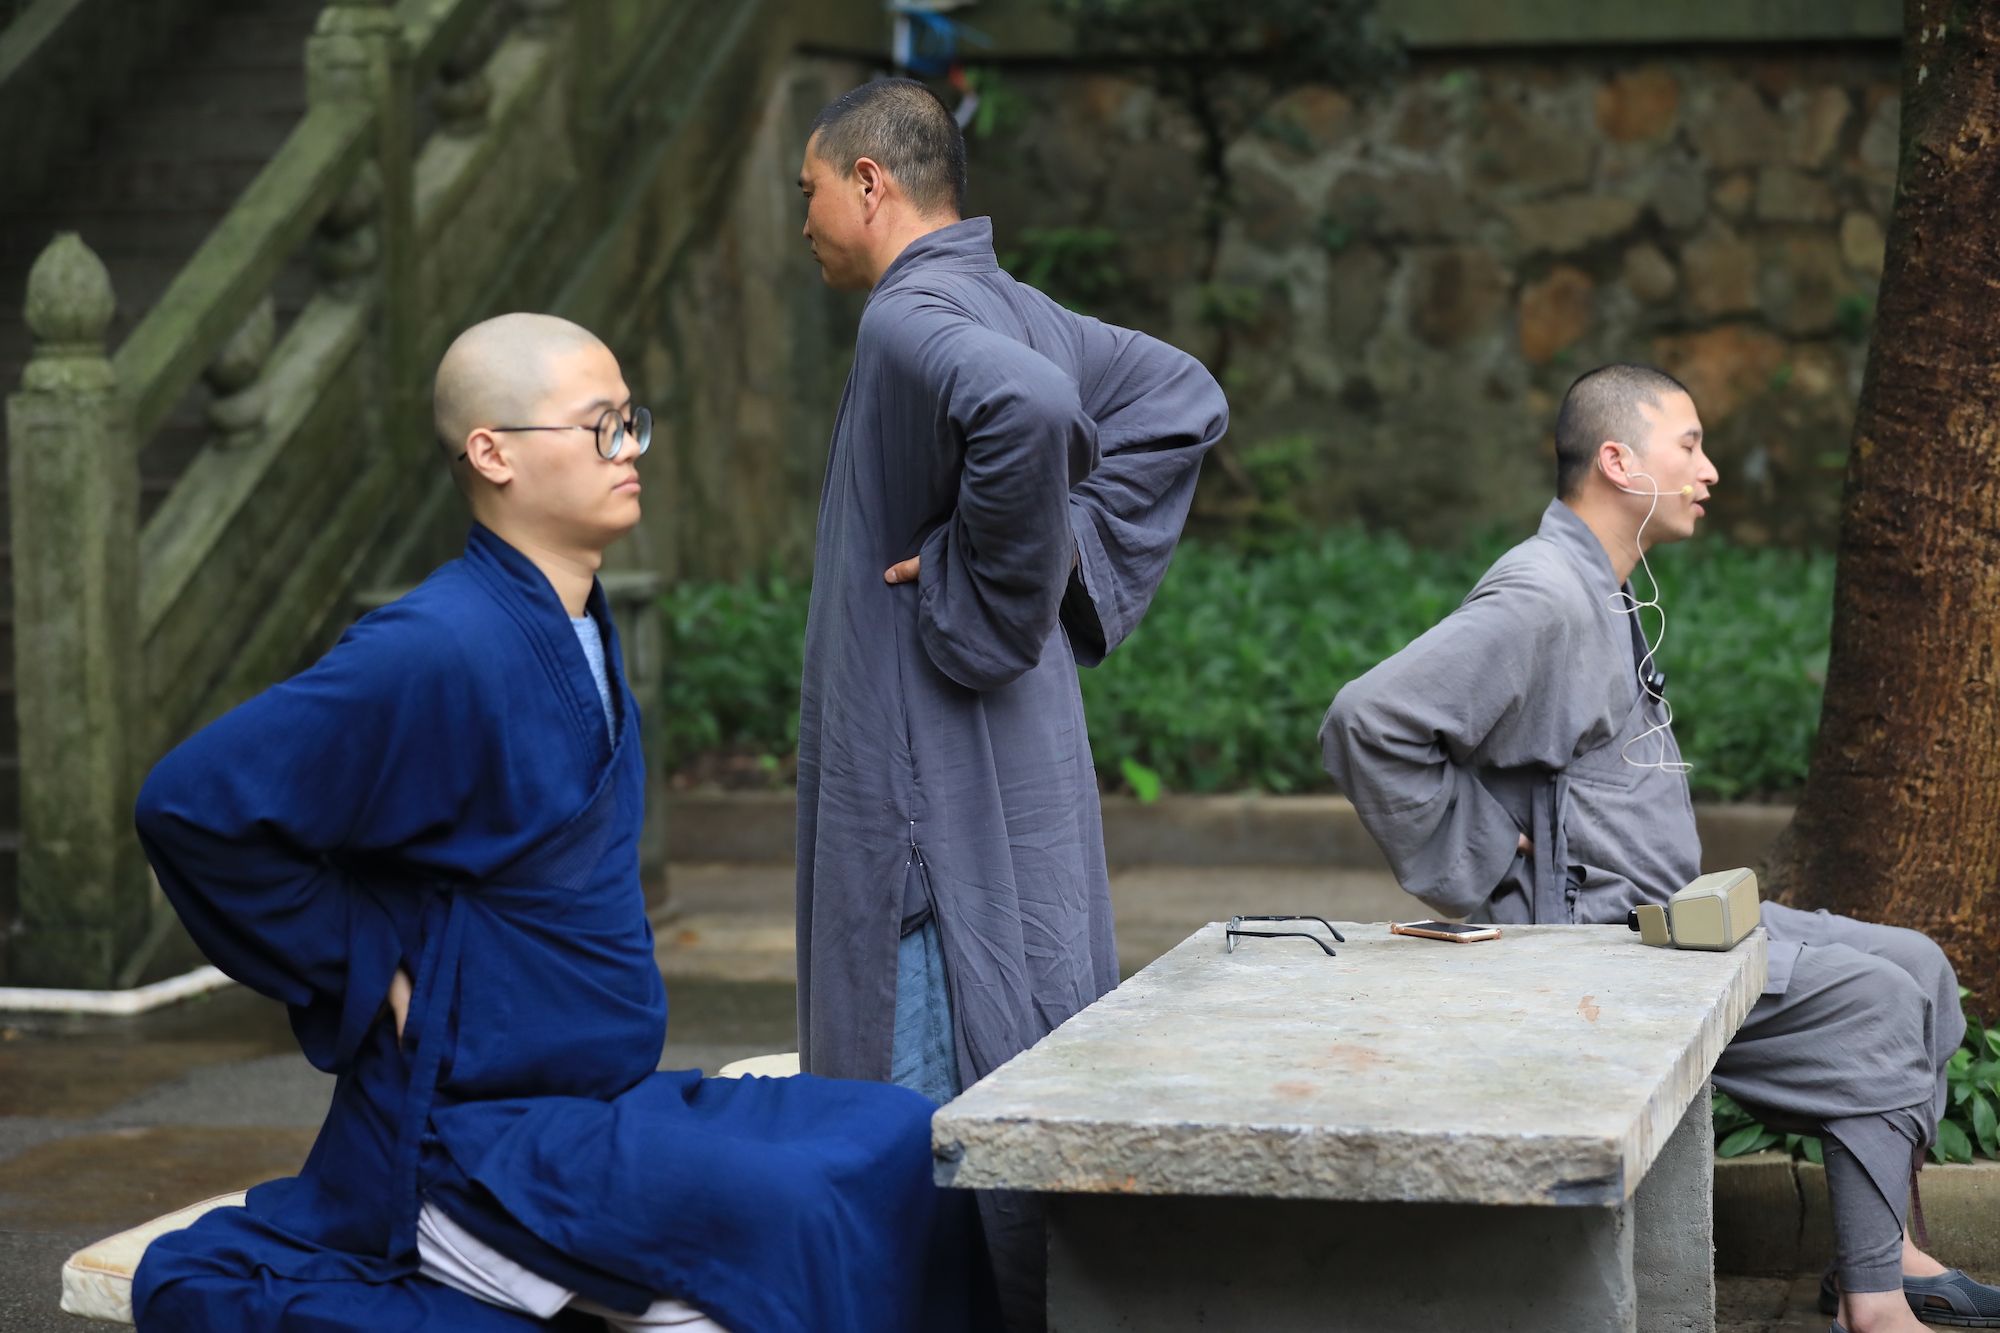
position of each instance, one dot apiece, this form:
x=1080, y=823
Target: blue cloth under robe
x=925, y=1058
x=592, y=640
x=440, y=792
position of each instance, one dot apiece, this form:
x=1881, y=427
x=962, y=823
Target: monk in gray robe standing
x=1517, y=764
x=1006, y=484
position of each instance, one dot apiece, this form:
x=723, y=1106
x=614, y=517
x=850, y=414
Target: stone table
x=1414, y=1135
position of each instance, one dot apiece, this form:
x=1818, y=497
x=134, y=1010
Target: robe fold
x=1041, y=463
x=441, y=793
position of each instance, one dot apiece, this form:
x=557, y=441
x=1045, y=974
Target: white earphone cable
x=1626, y=603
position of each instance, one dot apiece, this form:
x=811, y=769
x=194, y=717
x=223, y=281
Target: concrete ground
x=105, y=1123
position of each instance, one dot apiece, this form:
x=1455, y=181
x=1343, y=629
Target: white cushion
x=762, y=1066
x=97, y=1279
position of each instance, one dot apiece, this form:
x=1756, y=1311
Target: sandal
x=1949, y=1298
x=1953, y=1298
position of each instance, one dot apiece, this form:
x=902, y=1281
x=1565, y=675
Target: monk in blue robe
x=426, y=846
x=1006, y=484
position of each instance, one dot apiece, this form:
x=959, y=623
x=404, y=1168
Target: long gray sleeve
x=994, y=569
x=1406, y=740
x=1158, y=411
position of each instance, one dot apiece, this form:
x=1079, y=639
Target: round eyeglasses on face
x=611, y=432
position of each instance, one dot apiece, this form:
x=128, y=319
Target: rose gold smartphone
x=1446, y=930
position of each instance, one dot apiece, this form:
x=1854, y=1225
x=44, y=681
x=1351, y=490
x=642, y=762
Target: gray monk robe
x=1041, y=463
x=1517, y=714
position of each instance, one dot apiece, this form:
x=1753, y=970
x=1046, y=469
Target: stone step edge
x=1182, y=830
x=1772, y=1216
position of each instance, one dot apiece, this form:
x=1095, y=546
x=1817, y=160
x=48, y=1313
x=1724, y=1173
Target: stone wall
x=1408, y=277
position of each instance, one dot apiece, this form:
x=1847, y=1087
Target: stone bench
x=1413, y=1135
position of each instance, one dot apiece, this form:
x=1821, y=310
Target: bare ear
x=1612, y=463
x=874, y=180
x=486, y=458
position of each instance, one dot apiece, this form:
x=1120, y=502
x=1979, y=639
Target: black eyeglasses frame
x=1231, y=933
x=639, y=426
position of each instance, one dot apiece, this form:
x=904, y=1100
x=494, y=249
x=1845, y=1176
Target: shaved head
x=498, y=372
x=523, y=407
x=1601, y=406
x=902, y=126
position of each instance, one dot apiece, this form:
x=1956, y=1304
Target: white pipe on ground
x=114, y=1003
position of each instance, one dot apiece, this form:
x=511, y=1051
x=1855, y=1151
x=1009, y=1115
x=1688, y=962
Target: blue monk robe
x=441, y=792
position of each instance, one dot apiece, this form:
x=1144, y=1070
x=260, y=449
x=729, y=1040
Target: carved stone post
x=73, y=477
x=358, y=52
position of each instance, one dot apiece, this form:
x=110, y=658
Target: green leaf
x=1815, y=1150
x=1952, y=1144
x=1335, y=236
x=1985, y=1125
x=1143, y=781
x=1727, y=1114
x=1853, y=316
x=1075, y=265
x=1749, y=1139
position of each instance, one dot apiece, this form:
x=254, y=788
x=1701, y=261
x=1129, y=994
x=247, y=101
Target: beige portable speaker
x=1714, y=912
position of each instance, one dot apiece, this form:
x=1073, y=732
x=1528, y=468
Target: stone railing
x=577, y=145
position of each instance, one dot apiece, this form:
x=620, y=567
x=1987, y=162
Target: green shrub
x=1223, y=686
x=1972, y=1118
x=735, y=652
x=1745, y=653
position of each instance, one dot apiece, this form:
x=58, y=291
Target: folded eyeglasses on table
x=1234, y=931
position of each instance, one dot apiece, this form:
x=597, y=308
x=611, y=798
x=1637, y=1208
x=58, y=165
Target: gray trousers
x=1853, y=1050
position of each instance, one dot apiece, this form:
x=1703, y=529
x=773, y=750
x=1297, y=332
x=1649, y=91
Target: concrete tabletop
x=1545, y=1067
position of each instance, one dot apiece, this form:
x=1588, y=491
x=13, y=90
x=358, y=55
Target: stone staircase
x=159, y=174
x=303, y=223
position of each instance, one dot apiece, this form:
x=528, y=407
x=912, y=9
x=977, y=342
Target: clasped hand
x=400, y=987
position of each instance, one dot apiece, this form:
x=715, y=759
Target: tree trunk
x=1900, y=819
